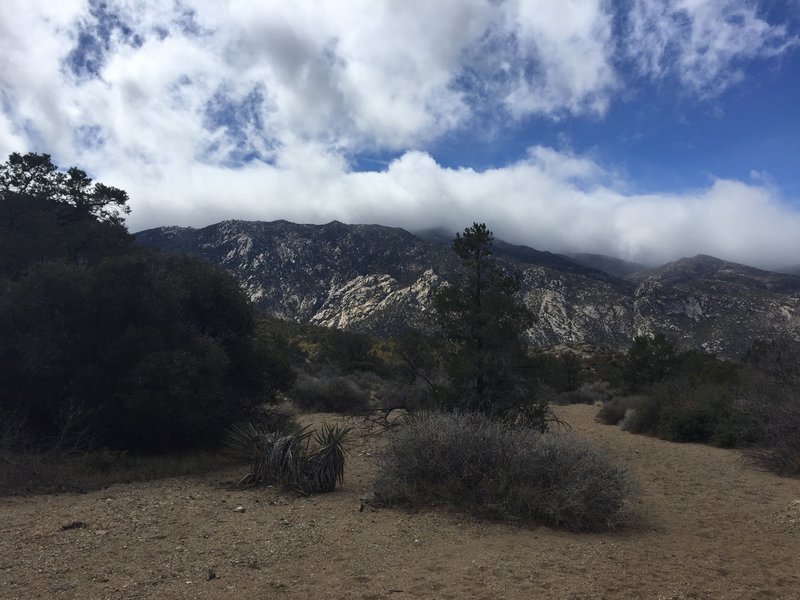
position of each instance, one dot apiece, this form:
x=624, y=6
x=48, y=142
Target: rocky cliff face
x=363, y=277
x=382, y=280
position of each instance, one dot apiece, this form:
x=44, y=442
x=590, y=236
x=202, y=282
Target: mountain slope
x=717, y=305
x=611, y=265
x=380, y=279
x=335, y=275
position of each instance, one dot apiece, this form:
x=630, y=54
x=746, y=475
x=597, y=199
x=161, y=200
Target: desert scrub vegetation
x=772, y=433
x=677, y=396
x=678, y=411
x=497, y=470
x=588, y=393
x=619, y=410
x=324, y=392
x=106, y=344
x=294, y=457
x=29, y=472
x=693, y=397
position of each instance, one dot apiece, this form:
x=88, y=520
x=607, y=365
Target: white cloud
x=354, y=76
x=550, y=200
x=701, y=42
x=571, y=42
x=177, y=92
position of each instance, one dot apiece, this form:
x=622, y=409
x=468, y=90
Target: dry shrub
x=617, y=410
x=498, y=470
x=630, y=420
x=329, y=393
x=43, y=472
x=588, y=393
x=772, y=438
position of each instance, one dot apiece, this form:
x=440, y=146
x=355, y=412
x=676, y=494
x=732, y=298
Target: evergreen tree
x=648, y=361
x=48, y=214
x=482, y=324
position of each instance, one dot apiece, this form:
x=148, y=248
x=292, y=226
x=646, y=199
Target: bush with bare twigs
x=499, y=470
x=772, y=436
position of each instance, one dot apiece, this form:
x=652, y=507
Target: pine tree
x=482, y=325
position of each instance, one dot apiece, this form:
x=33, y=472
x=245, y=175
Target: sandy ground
x=712, y=528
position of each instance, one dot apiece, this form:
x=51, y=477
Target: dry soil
x=712, y=527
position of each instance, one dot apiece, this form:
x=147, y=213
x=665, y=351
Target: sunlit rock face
x=382, y=280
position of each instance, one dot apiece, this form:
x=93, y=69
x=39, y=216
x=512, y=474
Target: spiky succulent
x=286, y=458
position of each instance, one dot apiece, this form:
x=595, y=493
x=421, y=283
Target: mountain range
x=381, y=280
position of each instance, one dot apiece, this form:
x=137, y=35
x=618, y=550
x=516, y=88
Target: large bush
x=142, y=352
x=494, y=469
x=680, y=410
x=678, y=396
x=103, y=343
x=771, y=432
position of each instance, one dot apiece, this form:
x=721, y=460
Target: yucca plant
x=325, y=466
x=285, y=457
x=240, y=441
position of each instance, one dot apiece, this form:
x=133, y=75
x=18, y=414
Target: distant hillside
x=381, y=279
x=614, y=266
x=790, y=270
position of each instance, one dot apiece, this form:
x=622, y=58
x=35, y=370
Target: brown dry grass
x=713, y=528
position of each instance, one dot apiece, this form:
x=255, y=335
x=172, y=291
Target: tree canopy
x=105, y=343
x=50, y=214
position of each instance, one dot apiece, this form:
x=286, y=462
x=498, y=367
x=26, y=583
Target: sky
x=643, y=129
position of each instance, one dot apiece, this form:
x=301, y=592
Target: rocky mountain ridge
x=381, y=279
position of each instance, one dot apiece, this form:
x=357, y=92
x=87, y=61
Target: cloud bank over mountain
x=205, y=110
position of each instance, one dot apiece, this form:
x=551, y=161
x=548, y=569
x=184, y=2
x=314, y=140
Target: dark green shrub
x=105, y=344
x=561, y=372
x=678, y=411
x=144, y=353
x=349, y=351
x=705, y=413
x=498, y=470
x=650, y=359
x=607, y=366
x=777, y=359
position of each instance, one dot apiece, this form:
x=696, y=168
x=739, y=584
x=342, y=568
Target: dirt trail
x=713, y=528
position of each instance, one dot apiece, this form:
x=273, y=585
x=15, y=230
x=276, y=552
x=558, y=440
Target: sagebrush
x=499, y=470
x=329, y=393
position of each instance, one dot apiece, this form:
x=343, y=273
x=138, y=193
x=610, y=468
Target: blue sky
x=646, y=129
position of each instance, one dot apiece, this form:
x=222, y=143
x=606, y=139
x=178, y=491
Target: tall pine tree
x=482, y=323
